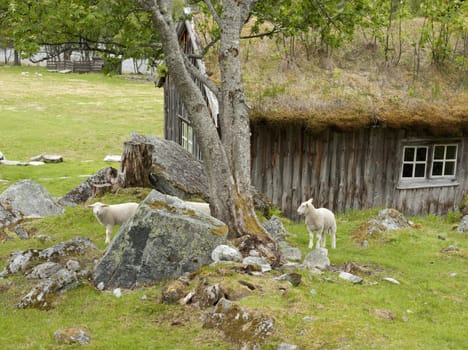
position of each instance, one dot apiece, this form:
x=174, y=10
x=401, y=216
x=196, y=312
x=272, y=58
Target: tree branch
x=195, y=72
x=213, y=12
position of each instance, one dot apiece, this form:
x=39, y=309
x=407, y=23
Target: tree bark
x=226, y=160
x=136, y=164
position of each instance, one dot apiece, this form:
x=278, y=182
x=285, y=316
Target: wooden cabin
x=177, y=125
x=407, y=169
x=412, y=157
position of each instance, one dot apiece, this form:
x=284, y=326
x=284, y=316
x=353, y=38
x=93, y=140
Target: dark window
x=444, y=160
x=431, y=161
x=414, y=162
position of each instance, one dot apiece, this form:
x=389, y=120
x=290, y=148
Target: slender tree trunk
x=226, y=160
x=17, y=58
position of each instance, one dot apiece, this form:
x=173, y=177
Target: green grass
x=429, y=308
x=83, y=117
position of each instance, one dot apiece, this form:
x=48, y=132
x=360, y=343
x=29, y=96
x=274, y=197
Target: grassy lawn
x=85, y=117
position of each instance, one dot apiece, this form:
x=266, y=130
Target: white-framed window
x=187, y=136
x=414, y=162
x=428, y=164
x=444, y=160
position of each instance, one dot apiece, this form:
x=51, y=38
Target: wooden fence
x=94, y=66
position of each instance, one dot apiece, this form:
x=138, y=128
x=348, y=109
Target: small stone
x=45, y=270
x=117, y=292
x=100, y=286
x=317, y=258
x=52, y=158
x=391, y=280
x=21, y=232
x=112, y=158
x=226, y=253
x=285, y=346
x=384, y=314
x=73, y=265
x=72, y=335
x=350, y=277
x=309, y=318
x=313, y=292
x=250, y=260
x=173, y=292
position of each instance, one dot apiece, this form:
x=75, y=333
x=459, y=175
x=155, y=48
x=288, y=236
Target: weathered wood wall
x=344, y=170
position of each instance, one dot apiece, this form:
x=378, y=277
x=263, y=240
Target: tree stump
x=135, y=167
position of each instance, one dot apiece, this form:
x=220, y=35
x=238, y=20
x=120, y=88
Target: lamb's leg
x=333, y=238
x=319, y=238
x=324, y=239
x=311, y=239
x=108, y=233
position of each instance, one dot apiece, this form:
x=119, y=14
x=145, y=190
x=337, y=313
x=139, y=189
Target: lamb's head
x=304, y=207
x=97, y=207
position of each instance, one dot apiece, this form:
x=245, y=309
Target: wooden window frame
x=429, y=180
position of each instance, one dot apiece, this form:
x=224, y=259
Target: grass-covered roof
x=353, y=86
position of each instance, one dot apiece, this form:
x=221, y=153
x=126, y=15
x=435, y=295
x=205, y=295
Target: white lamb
x=320, y=219
x=200, y=206
x=115, y=214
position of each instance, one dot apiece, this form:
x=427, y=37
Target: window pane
x=421, y=154
x=420, y=170
x=409, y=154
x=407, y=170
x=439, y=152
x=437, y=168
x=449, y=168
x=451, y=152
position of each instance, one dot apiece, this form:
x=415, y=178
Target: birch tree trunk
x=226, y=159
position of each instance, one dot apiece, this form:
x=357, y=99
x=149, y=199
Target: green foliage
x=113, y=28
x=444, y=21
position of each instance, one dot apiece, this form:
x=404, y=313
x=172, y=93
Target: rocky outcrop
x=24, y=200
x=387, y=220
x=104, y=178
x=165, y=239
x=55, y=269
x=247, y=329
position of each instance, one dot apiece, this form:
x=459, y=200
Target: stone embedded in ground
x=43, y=293
x=28, y=199
x=275, y=228
x=44, y=270
x=289, y=253
x=224, y=252
x=257, y=260
x=463, y=226
x=350, y=277
x=173, y=292
x=245, y=328
x=72, y=335
x=317, y=258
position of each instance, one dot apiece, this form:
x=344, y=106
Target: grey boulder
x=26, y=199
x=165, y=239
